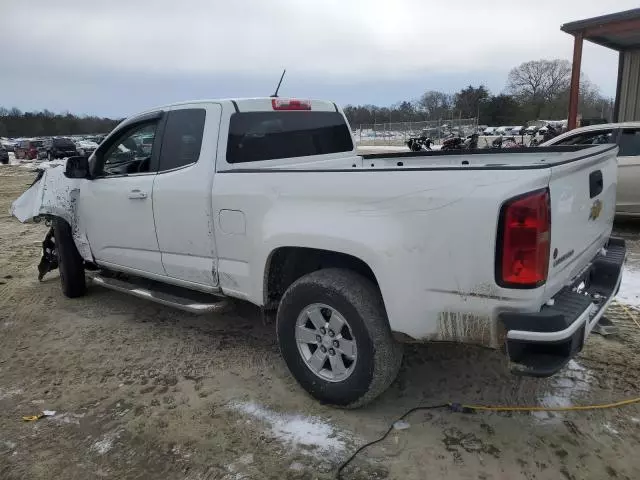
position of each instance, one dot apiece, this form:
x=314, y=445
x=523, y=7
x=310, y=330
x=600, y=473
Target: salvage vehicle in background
x=416, y=144
x=4, y=155
x=9, y=145
x=86, y=147
x=58, y=147
x=266, y=200
x=27, y=149
x=627, y=137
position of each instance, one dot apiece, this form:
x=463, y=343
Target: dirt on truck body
x=144, y=391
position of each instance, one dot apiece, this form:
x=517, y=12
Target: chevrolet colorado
x=267, y=200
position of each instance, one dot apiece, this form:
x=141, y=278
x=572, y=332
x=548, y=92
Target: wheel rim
x=326, y=343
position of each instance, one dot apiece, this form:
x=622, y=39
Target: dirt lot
x=143, y=391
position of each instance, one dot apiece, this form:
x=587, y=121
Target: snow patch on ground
x=609, y=429
x=105, y=444
x=368, y=149
x=8, y=445
x=10, y=393
x=384, y=148
x=43, y=165
x=630, y=288
x=297, y=430
x=564, y=387
x=68, y=418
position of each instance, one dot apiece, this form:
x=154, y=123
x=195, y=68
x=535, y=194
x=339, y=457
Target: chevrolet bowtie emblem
x=596, y=208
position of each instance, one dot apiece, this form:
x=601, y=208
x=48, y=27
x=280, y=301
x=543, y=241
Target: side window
x=629, y=143
x=131, y=152
x=182, y=138
x=589, y=138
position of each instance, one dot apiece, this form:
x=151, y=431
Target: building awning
x=618, y=31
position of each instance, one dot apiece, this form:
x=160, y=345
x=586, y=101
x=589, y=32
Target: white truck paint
x=426, y=225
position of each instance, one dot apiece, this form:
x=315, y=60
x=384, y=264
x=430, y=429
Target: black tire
x=359, y=301
x=70, y=262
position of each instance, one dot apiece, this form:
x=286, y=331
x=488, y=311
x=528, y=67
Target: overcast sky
x=117, y=57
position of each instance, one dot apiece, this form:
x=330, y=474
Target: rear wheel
x=70, y=263
x=335, y=338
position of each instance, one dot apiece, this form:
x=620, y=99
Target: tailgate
x=583, y=198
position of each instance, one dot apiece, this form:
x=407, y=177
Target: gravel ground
x=142, y=391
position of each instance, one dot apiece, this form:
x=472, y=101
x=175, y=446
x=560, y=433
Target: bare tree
x=539, y=82
x=435, y=104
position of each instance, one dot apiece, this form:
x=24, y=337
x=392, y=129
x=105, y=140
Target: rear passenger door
x=182, y=194
x=628, y=200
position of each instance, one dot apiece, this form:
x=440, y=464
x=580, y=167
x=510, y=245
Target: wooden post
x=574, y=91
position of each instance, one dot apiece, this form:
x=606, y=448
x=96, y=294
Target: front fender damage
x=53, y=195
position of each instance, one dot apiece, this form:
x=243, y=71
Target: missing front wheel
x=49, y=260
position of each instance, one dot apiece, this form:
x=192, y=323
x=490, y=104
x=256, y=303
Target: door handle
x=137, y=194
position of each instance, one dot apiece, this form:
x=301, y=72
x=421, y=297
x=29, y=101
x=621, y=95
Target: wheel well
x=287, y=264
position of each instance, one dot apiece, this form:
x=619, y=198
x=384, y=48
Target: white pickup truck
x=266, y=200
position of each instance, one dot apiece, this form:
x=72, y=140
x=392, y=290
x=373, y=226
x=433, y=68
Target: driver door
x=116, y=206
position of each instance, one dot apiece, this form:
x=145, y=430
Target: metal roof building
x=618, y=31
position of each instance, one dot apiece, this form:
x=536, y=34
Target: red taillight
x=290, y=104
x=524, y=241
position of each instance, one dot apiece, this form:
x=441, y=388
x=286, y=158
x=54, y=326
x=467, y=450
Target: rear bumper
x=541, y=343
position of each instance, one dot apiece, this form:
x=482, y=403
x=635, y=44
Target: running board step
x=172, y=296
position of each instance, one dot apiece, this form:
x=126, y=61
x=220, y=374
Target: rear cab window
x=270, y=135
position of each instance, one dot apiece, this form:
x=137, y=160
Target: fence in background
x=398, y=133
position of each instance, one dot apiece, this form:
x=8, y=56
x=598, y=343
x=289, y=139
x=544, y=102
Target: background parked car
x=86, y=147
x=59, y=147
x=9, y=145
x=4, y=155
x=27, y=149
x=627, y=136
x=502, y=131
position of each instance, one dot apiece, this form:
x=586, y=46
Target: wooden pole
x=575, y=82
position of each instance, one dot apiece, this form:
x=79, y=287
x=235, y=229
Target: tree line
x=534, y=90
x=14, y=123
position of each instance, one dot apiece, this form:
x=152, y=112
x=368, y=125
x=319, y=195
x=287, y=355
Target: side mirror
x=77, y=167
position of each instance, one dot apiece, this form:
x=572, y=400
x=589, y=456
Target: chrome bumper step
x=176, y=297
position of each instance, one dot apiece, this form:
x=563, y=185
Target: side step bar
x=180, y=298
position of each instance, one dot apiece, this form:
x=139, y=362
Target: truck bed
x=487, y=158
